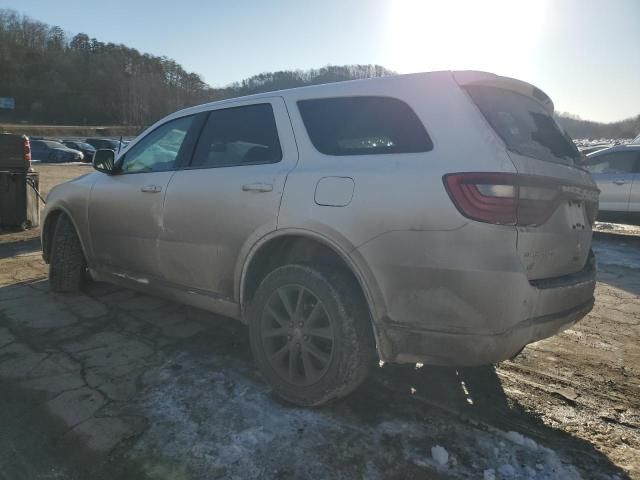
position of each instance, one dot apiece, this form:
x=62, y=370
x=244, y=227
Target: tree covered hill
x=579, y=128
x=83, y=81
x=56, y=78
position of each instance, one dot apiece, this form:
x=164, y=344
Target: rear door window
x=238, y=136
x=524, y=125
x=363, y=126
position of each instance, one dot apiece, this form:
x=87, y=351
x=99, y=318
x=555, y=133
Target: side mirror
x=104, y=161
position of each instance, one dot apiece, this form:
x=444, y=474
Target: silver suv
x=435, y=217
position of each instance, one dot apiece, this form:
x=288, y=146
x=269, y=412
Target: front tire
x=310, y=334
x=67, y=264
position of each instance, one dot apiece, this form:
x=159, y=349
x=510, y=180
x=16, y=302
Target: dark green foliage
x=60, y=80
x=83, y=81
x=266, y=82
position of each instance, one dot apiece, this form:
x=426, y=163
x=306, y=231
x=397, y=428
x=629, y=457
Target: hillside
x=83, y=81
x=60, y=79
x=578, y=128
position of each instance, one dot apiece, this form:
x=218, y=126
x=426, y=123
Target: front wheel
x=67, y=265
x=310, y=334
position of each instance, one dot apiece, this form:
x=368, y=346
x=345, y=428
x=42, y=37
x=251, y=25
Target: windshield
x=636, y=141
x=524, y=125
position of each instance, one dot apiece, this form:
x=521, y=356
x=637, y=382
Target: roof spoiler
x=469, y=77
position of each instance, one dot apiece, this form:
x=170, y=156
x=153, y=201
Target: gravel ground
x=115, y=384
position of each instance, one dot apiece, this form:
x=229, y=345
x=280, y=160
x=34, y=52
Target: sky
x=585, y=54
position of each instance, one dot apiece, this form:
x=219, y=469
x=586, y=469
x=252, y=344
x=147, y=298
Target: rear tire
x=67, y=264
x=310, y=334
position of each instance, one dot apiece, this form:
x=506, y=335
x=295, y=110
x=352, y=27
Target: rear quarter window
x=363, y=126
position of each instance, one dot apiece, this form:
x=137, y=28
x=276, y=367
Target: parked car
x=616, y=171
x=347, y=223
x=87, y=150
x=593, y=148
x=104, y=143
x=50, y=151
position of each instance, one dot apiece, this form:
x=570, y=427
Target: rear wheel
x=310, y=334
x=67, y=265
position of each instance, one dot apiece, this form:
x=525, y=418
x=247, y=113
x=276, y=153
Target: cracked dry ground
x=111, y=383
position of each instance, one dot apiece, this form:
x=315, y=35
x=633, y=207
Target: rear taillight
x=503, y=198
x=27, y=149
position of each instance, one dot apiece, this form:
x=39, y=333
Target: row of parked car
x=587, y=146
x=71, y=150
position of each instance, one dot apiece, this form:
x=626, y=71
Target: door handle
x=151, y=189
x=257, y=187
x=619, y=182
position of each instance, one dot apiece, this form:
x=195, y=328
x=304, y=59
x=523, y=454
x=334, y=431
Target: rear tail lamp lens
x=503, y=198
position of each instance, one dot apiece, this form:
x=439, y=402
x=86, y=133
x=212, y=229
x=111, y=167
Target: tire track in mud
x=484, y=400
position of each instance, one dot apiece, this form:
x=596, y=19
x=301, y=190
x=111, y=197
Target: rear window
x=524, y=125
x=363, y=126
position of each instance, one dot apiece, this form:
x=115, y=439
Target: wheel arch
x=296, y=246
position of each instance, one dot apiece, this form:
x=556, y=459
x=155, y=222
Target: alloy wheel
x=297, y=335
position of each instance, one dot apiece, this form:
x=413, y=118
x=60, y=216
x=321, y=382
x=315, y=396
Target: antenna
x=120, y=144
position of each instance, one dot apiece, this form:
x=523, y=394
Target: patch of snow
x=439, y=455
x=520, y=457
x=531, y=473
x=507, y=470
x=489, y=474
x=521, y=440
x=393, y=427
x=217, y=419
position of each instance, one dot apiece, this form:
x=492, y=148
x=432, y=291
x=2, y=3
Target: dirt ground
x=111, y=383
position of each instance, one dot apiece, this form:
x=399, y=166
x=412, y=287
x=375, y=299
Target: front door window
x=159, y=150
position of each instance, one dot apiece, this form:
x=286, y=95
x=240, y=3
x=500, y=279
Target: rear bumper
x=463, y=297
x=442, y=348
